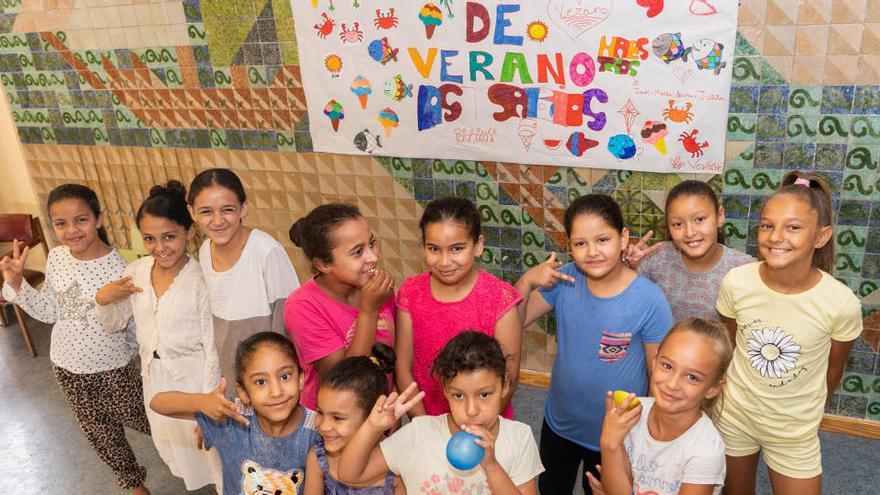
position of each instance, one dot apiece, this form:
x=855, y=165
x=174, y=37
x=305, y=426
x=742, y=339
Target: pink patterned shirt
x=435, y=323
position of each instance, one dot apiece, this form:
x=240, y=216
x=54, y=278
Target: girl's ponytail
x=813, y=189
x=364, y=376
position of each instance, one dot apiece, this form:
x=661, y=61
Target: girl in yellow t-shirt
x=793, y=325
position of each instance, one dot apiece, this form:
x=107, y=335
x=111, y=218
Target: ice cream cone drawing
x=660, y=145
x=362, y=89
x=654, y=132
x=526, y=131
x=431, y=17
x=333, y=111
x=388, y=119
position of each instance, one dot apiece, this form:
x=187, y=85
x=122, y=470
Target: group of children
x=301, y=389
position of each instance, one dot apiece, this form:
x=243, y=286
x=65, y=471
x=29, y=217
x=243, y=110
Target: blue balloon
x=463, y=452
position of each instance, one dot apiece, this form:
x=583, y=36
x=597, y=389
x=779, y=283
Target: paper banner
x=629, y=84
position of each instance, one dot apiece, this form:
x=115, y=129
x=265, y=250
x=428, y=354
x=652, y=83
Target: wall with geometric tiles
x=122, y=94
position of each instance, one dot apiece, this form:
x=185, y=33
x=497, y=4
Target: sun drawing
x=772, y=353
x=537, y=31
x=333, y=64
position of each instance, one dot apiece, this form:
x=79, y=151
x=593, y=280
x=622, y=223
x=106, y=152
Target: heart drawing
x=702, y=7
x=576, y=17
x=682, y=74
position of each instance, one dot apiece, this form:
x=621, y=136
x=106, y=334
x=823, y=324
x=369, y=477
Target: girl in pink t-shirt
x=348, y=305
x=451, y=297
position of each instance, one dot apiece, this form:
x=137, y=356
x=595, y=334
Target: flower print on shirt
x=772, y=352
x=453, y=485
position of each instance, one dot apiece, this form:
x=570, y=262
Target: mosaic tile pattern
x=281, y=188
x=128, y=93
x=828, y=42
x=109, y=24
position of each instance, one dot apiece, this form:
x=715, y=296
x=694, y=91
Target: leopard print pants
x=103, y=403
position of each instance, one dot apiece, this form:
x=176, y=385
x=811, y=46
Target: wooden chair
x=27, y=229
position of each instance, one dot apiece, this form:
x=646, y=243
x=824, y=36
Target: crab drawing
x=688, y=140
x=325, y=27
x=353, y=35
x=675, y=114
x=385, y=21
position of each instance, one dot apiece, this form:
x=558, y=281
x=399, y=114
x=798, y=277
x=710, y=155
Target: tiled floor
x=44, y=450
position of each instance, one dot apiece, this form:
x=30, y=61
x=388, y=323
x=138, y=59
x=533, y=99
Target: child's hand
x=217, y=407
x=635, y=253
x=200, y=440
x=116, y=291
x=546, y=274
x=12, y=268
x=485, y=440
x=595, y=484
x=618, y=420
x=376, y=291
x=388, y=410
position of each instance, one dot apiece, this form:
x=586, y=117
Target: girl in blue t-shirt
x=610, y=321
x=263, y=440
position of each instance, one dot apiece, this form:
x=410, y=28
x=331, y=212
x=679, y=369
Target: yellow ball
x=621, y=395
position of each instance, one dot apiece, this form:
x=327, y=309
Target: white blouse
x=249, y=297
x=177, y=326
x=261, y=277
x=79, y=342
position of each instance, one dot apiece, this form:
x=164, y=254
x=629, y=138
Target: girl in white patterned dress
x=167, y=297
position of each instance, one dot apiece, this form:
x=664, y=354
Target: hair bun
x=173, y=188
x=295, y=232
x=176, y=188
x=383, y=356
x=157, y=190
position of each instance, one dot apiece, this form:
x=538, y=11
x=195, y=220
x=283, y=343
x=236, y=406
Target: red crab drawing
x=385, y=21
x=690, y=143
x=325, y=27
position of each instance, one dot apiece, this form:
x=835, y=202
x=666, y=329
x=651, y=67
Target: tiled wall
x=127, y=93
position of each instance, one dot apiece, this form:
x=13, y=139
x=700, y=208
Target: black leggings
x=561, y=458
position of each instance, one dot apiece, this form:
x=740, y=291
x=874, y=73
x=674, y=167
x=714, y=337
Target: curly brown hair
x=466, y=352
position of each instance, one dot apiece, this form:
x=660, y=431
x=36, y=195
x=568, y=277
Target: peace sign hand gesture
x=388, y=409
x=546, y=274
x=12, y=268
x=636, y=253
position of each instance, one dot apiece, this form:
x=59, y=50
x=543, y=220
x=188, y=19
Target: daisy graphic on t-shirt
x=772, y=352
